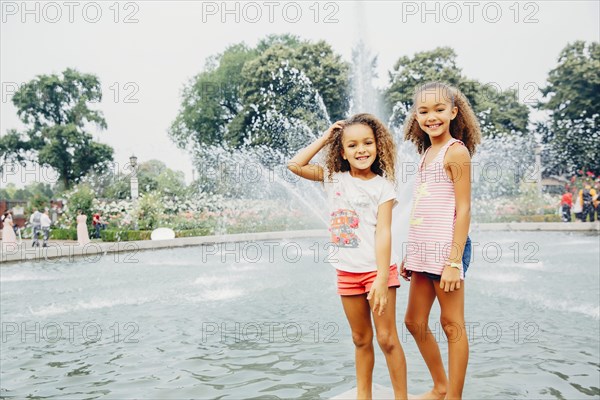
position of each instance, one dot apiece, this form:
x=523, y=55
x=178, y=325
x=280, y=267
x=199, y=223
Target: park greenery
x=57, y=112
x=572, y=98
x=261, y=104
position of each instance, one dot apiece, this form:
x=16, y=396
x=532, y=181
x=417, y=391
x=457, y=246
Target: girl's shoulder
x=382, y=186
x=457, y=150
x=335, y=176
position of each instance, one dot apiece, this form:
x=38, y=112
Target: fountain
x=260, y=319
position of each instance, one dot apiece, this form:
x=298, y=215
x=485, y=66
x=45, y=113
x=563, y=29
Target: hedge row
x=194, y=232
x=63, y=234
x=126, y=236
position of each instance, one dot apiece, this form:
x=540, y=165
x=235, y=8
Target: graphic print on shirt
x=344, y=221
x=421, y=192
x=343, y=224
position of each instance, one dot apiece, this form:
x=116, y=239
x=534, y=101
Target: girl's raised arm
x=299, y=164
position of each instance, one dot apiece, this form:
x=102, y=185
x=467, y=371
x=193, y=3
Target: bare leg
x=387, y=337
x=420, y=299
x=452, y=319
x=358, y=314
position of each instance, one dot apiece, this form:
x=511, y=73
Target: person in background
x=54, y=212
x=98, y=225
x=586, y=196
x=596, y=200
x=9, y=240
x=35, y=221
x=577, y=208
x=45, y=223
x=83, y=236
x=566, y=203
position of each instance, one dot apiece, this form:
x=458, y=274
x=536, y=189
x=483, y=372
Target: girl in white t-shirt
x=358, y=180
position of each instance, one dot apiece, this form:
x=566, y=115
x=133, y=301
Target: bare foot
x=433, y=394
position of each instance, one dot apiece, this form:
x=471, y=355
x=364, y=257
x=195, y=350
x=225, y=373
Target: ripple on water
x=171, y=358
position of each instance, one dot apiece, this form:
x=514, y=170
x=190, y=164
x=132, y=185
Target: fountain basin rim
x=93, y=249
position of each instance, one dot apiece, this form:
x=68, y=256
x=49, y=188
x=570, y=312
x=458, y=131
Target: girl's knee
x=387, y=340
x=414, y=326
x=362, y=339
x=453, y=326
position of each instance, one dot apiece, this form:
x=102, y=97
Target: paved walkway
x=70, y=249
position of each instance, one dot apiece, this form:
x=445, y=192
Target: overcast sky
x=144, y=51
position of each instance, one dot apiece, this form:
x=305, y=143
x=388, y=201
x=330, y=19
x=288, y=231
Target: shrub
x=194, y=232
x=124, y=236
x=63, y=234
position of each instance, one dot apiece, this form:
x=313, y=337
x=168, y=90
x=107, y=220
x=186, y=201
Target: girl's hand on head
x=450, y=280
x=404, y=273
x=336, y=125
x=378, y=294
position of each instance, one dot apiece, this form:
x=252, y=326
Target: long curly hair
x=384, y=164
x=463, y=127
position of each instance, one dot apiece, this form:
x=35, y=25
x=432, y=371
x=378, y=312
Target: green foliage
x=194, y=232
x=123, y=235
x=39, y=190
x=499, y=111
x=109, y=184
x=572, y=97
x=63, y=234
x=211, y=99
x=79, y=198
x=148, y=211
x=426, y=66
x=56, y=110
x=153, y=176
x=222, y=103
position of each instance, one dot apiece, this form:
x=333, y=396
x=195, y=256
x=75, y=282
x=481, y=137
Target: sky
x=144, y=52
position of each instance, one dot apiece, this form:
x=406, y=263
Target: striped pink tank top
x=433, y=216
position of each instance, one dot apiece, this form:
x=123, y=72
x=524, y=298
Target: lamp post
x=133, y=181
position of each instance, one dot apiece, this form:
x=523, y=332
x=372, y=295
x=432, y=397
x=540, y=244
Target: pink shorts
x=353, y=283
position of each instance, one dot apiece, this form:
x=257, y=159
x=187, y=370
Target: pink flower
x=338, y=194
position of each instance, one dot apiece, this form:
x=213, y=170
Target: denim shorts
x=466, y=259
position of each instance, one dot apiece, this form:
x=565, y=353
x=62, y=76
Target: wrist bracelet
x=454, y=265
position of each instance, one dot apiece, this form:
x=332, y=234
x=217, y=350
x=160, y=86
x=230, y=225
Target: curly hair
x=384, y=164
x=464, y=127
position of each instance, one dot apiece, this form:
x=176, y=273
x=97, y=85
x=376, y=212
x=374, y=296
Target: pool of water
x=262, y=319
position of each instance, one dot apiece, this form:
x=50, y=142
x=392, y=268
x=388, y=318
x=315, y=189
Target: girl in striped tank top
x=443, y=127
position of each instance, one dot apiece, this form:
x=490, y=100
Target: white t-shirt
x=353, y=205
x=45, y=221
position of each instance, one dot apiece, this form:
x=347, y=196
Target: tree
x=222, y=103
x=283, y=107
x=153, y=176
x=211, y=99
x=500, y=111
x=35, y=189
x=572, y=98
x=56, y=111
